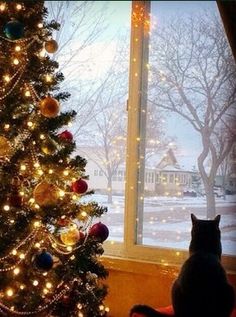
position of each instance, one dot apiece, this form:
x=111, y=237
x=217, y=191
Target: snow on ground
x=167, y=220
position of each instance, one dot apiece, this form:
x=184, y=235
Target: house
x=163, y=174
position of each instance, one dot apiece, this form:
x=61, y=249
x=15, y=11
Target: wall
x=134, y=282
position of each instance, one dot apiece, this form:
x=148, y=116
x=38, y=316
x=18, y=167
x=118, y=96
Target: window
x=177, y=56
x=94, y=56
x=156, y=132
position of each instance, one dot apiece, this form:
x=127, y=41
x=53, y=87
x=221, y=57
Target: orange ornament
x=51, y=46
x=70, y=237
x=49, y=107
x=46, y=194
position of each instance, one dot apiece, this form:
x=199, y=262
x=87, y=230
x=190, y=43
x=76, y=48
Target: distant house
x=171, y=179
x=164, y=177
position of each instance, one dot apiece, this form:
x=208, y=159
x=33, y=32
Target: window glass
x=191, y=95
x=93, y=55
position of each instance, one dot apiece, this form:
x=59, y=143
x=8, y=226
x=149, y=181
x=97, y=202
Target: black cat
x=201, y=289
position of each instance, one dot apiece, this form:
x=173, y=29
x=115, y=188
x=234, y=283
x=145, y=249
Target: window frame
x=135, y=169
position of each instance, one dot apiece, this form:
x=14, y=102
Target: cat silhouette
x=201, y=288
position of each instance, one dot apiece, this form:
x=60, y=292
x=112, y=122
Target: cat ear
x=194, y=218
x=217, y=219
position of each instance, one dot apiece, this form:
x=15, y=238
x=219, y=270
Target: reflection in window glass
x=191, y=95
x=93, y=55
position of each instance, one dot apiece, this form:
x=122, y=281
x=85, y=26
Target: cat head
x=205, y=236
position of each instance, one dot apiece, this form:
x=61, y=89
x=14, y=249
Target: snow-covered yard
x=166, y=220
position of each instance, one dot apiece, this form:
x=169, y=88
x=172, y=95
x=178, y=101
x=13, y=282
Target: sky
x=98, y=57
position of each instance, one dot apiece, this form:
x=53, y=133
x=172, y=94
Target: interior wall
x=131, y=282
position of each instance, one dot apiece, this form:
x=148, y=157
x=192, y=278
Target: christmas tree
x=50, y=238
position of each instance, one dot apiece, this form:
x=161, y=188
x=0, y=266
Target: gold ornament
x=46, y=194
x=51, y=46
x=5, y=146
x=70, y=237
x=49, y=147
x=49, y=107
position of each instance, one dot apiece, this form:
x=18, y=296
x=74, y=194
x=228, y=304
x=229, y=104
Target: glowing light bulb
x=84, y=214
x=18, y=6
x=69, y=248
x=6, y=126
x=14, y=252
x=65, y=173
x=48, y=78
x=16, y=271
x=79, y=306
x=45, y=291
x=101, y=307
x=35, y=283
x=6, y=207
x=36, y=165
x=42, y=136
x=37, y=245
x=30, y=124
x=17, y=48
x=27, y=93
x=9, y=292
x=23, y=167
x=40, y=25
x=16, y=61
x=40, y=172
x=50, y=171
x=6, y=78
x=37, y=224
x=49, y=285
x=22, y=286
x=61, y=193
x=22, y=256
x=2, y=6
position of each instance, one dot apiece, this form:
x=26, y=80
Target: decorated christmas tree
x=50, y=238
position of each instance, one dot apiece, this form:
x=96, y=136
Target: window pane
x=93, y=55
x=190, y=131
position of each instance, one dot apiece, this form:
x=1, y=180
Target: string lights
x=42, y=248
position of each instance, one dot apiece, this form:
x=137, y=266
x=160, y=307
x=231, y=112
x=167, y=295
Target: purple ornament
x=99, y=231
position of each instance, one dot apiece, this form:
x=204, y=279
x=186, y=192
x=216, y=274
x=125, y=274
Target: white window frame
x=138, y=76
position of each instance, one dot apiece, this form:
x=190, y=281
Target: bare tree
x=82, y=25
x=194, y=77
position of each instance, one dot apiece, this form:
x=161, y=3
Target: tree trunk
x=210, y=198
x=109, y=190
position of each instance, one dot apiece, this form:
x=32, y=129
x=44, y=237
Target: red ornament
x=79, y=186
x=66, y=135
x=99, y=231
